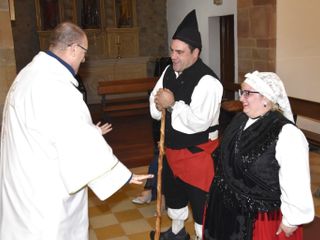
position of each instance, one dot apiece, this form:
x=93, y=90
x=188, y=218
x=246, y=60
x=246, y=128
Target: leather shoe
x=145, y=197
x=169, y=235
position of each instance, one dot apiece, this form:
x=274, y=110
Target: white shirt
x=202, y=112
x=50, y=152
x=292, y=154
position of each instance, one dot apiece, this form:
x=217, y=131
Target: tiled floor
x=118, y=218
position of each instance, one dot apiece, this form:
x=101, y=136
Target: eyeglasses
x=246, y=93
x=83, y=48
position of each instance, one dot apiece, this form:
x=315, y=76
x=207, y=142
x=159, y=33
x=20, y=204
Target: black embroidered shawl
x=246, y=180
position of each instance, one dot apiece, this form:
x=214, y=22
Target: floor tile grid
x=118, y=218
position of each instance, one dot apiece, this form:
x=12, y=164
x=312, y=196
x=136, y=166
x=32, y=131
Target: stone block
x=245, y=65
x=264, y=66
x=243, y=23
x=266, y=43
x=247, y=42
x=263, y=54
x=264, y=2
x=244, y=53
x=262, y=21
x=244, y=3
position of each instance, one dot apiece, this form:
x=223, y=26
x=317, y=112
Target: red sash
x=196, y=169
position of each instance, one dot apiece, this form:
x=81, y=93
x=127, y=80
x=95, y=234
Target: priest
x=50, y=149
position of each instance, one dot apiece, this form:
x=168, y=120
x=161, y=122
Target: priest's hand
x=105, y=128
x=138, y=179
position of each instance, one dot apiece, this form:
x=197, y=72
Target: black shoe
x=169, y=235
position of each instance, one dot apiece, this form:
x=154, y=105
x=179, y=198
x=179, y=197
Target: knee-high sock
x=178, y=217
x=198, y=230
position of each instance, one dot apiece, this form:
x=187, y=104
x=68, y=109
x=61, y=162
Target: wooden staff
x=159, y=179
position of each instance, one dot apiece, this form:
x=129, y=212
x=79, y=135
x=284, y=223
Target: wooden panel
x=227, y=51
x=126, y=86
x=131, y=106
x=44, y=37
x=98, y=70
x=123, y=102
x=110, y=13
x=305, y=107
x=68, y=11
x=123, y=42
x=96, y=42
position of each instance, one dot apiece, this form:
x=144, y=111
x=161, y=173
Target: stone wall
x=25, y=37
x=152, y=20
x=7, y=59
x=256, y=36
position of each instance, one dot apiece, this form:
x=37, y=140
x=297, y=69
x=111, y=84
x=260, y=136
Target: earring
x=265, y=104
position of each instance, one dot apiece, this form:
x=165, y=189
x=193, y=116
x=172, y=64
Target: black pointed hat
x=188, y=31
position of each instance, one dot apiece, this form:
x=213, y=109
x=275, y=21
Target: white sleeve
x=110, y=182
x=203, y=110
x=292, y=154
x=155, y=113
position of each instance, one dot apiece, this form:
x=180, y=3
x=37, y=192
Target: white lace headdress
x=270, y=85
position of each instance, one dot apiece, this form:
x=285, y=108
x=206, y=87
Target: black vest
x=182, y=88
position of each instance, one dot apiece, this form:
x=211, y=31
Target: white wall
x=214, y=45
x=206, y=12
x=298, y=51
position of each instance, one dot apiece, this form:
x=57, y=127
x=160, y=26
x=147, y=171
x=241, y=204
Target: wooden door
x=227, y=53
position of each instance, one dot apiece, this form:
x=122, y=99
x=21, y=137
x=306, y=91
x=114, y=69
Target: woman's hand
x=105, y=128
x=288, y=231
x=138, y=179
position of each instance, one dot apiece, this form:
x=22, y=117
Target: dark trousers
x=151, y=183
x=179, y=194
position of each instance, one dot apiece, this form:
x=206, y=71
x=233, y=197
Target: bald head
x=66, y=34
x=69, y=42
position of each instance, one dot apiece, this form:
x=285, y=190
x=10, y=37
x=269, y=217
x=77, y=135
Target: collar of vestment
x=68, y=66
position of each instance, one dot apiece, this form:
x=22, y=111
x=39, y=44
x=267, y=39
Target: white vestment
x=50, y=152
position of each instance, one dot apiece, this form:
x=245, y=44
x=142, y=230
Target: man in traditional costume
x=50, y=149
x=191, y=94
